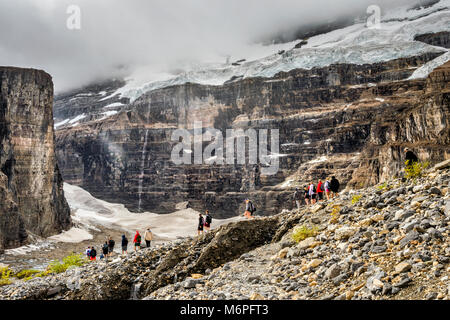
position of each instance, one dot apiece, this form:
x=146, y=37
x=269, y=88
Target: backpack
x=321, y=187
x=138, y=239
x=208, y=219
x=111, y=243
x=314, y=189
x=252, y=207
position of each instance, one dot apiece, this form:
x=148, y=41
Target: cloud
x=117, y=37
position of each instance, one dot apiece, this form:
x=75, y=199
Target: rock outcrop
x=31, y=188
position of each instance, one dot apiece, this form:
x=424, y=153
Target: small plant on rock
x=300, y=233
x=5, y=273
x=415, y=170
x=356, y=198
x=26, y=274
x=382, y=186
x=335, y=214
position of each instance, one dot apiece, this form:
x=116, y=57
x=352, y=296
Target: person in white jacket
x=148, y=237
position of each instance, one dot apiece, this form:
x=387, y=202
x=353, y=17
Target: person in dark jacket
x=208, y=220
x=410, y=157
x=111, y=244
x=124, y=244
x=306, y=194
x=105, y=250
x=93, y=253
x=201, y=223
x=334, y=186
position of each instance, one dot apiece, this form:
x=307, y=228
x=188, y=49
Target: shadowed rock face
x=351, y=121
x=31, y=194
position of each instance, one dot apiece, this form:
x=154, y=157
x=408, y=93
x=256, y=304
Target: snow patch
x=427, y=68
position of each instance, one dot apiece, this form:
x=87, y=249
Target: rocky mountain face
x=31, y=188
x=347, y=120
x=389, y=241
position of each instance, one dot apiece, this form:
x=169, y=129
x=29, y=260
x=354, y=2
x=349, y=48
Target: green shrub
x=335, y=214
x=71, y=260
x=302, y=232
x=356, y=198
x=415, y=170
x=5, y=273
x=24, y=274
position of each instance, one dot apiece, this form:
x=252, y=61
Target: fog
x=118, y=37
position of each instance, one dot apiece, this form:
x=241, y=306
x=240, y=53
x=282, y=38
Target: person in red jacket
x=320, y=189
x=137, y=240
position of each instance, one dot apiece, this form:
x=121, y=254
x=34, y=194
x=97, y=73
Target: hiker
x=105, y=249
x=297, y=198
x=312, y=192
x=410, y=157
x=201, y=222
x=208, y=220
x=249, y=209
x=124, y=244
x=334, y=187
x=88, y=252
x=93, y=254
x=137, y=241
x=320, y=190
x=327, y=188
x=111, y=244
x=306, y=196
x=148, y=237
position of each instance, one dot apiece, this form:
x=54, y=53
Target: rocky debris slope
x=389, y=241
x=31, y=188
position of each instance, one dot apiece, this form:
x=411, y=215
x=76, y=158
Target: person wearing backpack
x=208, y=220
x=148, y=237
x=124, y=244
x=327, y=188
x=312, y=193
x=320, y=190
x=137, y=241
x=249, y=209
x=93, y=254
x=334, y=186
x=88, y=252
x=111, y=244
x=105, y=249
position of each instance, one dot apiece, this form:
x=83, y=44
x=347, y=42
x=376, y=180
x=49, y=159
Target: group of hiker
x=312, y=193
x=204, y=223
x=107, y=249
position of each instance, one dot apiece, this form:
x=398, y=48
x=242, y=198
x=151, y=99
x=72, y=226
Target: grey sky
x=118, y=36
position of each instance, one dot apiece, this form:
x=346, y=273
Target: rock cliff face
x=31, y=189
x=351, y=121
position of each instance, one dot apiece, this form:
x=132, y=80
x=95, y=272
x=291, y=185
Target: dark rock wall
x=31, y=187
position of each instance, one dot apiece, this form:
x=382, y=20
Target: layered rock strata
x=31, y=188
